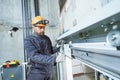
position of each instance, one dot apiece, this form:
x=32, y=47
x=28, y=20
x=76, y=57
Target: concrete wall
x=75, y=11
x=78, y=10
x=11, y=16
x=11, y=12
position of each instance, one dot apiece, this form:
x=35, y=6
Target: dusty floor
x=86, y=76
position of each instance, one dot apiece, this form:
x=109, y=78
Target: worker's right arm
x=35, y=55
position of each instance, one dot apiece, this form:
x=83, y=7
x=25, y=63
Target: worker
x=40, y=51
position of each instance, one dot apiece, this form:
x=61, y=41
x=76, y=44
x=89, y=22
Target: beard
x=41, y=33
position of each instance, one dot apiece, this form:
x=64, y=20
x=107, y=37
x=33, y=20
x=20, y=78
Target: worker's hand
x=60, y=58
x=57, y=45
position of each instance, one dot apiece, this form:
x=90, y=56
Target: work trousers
x=38, y=76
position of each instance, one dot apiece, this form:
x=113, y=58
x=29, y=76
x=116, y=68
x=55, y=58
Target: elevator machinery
x=96, y=41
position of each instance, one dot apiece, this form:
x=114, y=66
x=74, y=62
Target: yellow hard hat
x=39, y=21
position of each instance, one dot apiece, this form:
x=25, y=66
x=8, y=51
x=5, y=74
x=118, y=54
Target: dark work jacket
x=39, y=51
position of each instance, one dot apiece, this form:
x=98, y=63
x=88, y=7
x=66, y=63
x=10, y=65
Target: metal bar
x=36, y=6
x=97, y=74
x=94, y=45
x=26, y=18
x=60, y=75
x=98, y=51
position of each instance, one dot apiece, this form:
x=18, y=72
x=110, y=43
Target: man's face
x=39, y=30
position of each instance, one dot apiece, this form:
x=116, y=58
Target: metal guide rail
x=102, y=60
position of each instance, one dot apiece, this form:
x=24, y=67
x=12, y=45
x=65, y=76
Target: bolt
x=114, y=37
